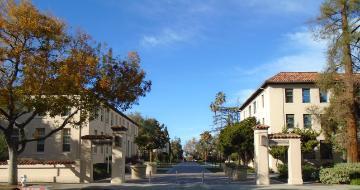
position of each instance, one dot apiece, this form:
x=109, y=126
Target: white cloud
x=305, y=39
x=181, y=21
x=279, y=6
x=307, y=54
x=189, y=20
x=166, y=37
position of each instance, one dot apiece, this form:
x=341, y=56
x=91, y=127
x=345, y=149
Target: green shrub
x=355, y=181
x=100, y=171
x=283, y=171
x=340, y=173
x=231, y=165
x=250, y=170
x=310, y=172
x=201, y=162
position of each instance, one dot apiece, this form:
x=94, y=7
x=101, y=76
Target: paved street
x=129, y=186
x=190, y=177
x=188, y=167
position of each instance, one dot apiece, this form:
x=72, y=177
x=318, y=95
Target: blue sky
x=191, y=49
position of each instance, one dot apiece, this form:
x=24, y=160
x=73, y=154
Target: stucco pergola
x=118, y=155
x=262, y=141
x=86, y=161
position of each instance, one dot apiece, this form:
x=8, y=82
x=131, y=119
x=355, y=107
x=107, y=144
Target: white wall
x=275, y=108
x=112, y=118
x=53, y=144
x=58, y=173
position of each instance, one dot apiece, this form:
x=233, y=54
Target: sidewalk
x=129, y=186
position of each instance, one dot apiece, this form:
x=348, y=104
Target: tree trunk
x=12, y=165
x=205, y=157
x=351, y=125
x=150, y=155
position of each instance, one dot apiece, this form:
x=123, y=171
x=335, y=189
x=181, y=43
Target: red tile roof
x=43, y=162
x=284, y=78
x=260, y=127
x=119, y=128
x=294, y=77
x=96, y=137
x=284, y=136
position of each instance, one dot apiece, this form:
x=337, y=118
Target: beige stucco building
x=65, y=144
x=283, y=100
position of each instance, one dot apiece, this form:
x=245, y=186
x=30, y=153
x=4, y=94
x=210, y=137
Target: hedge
x=309, y=172
x=342, y=173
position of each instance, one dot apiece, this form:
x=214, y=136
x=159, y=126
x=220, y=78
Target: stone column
x=86, y=164
x=294, y=162
x=118, y=158
x=261, y=155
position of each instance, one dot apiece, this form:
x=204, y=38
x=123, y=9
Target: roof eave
x=264, y=85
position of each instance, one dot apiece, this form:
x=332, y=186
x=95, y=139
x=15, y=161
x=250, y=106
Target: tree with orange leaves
x=44, y=69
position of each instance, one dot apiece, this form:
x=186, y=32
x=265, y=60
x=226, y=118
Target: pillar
x=118, y=158
x=261, y=156
x=86, y=164
x=294, y=162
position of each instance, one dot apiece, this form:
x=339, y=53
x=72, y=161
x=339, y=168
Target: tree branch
x=23, y=144
x=3, y=71
x=356, y=46
x=21, y=114
x=2, y=111
x=65, y=122
x=10, y=89
x=2, y=128
x=354, y=30
x=27, y=121
x=355, y=57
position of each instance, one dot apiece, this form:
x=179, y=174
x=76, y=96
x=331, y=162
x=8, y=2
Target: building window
x=65, y=112
x=249, y=111
x=102, y=146
x=263, y=121
x=118, y=141
x=101, y=114
x=262, y=101
x=107, y=116
x=307, y=120
x=323, y=96
x=42, y=114
x=325, y=150
x=290, y=121
x=309, y=155
x=254, y=104
x=94, y=147
x=112, y=118
x=289, y=97
x=128, y=148
x=40, y=145
x=66, y=140
x=306, y=95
